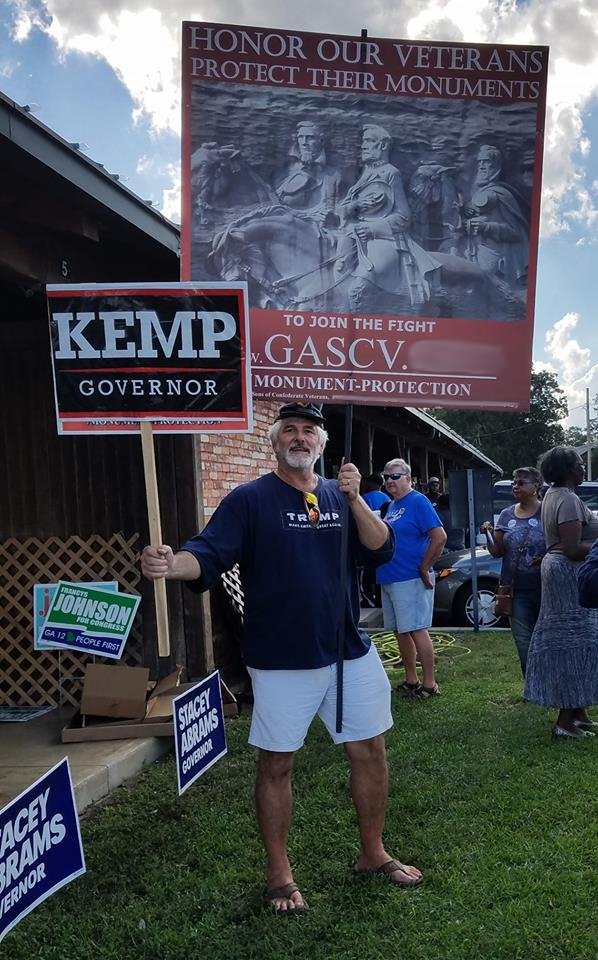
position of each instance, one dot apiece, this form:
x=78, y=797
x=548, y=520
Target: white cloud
x=171, y=196
x=150, y=167
x=27, y=14
x=140, y=39
x=144, y=164
x=541, y=366
x=563, y=347
x=8, y=67
x=22, y=24
x=144, y=53
x=573, y=365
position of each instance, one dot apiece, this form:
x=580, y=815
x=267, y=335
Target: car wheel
x=463, y=605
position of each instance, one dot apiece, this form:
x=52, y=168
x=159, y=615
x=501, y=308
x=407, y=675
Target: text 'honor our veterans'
x=399, y=68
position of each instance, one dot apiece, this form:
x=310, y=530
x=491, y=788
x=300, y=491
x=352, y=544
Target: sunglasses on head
x=313, y=508
x=393, y=476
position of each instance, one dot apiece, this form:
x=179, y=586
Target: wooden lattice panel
x=32, y=677
x=231, y=581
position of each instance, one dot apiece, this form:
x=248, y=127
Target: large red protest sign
x=382, y=200
x=175, y=355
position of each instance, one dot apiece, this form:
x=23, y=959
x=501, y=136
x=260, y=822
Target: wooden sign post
x=155, y=531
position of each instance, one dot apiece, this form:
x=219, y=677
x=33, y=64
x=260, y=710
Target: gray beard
x=299, y=460
x=308, y=156
x=487, y=181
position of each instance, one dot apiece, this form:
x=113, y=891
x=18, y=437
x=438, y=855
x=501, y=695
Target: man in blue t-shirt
x=408, y=579
x=284, y=531
x=372, y=491
x=375, y=497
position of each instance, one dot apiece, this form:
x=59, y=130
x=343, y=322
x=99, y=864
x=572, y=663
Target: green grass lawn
x=501, y=818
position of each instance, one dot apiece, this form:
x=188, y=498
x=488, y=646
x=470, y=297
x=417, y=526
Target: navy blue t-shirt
x=290, y=572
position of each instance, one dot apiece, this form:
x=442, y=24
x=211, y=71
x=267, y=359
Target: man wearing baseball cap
x=284, y=531
x=433, y=490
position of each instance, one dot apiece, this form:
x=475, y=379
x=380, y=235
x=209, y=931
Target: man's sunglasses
x=393, y=476
x=313, y=508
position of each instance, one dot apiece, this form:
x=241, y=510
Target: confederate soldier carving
x=284, y=246
x=380, y=253
x=497, y=230
x=310, y=185
x=301, y=244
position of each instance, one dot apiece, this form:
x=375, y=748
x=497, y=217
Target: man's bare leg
x=274, y=804
x=369, y=789
x=425, y=651
x=408, y=656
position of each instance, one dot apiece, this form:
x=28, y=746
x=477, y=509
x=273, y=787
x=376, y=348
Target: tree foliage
x=515, y=439
x=575, y=436
x=578, y=437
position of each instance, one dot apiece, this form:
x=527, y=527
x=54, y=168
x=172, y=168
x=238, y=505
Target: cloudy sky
x=106, y=75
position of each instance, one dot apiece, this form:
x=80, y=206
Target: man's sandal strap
x=284, y=892
x=390, y=867
x=387, y=869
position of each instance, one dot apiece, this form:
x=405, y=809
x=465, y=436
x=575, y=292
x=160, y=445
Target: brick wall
x=230, y=459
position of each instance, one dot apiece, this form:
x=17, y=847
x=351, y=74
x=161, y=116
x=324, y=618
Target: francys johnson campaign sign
x=174, y=354
x=382, y=200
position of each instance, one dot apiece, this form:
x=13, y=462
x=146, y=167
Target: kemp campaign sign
x=382, y=199
x=199, y=736
x=174, y=354
x=40, y=845
x=89, y=620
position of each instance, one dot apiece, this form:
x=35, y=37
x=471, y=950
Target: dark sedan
x=453, y=597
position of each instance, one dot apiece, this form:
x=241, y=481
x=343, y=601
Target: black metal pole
x=473, y=550
x=340, y=659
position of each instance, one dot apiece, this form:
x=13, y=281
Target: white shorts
x=286, y=701
x=407, y=605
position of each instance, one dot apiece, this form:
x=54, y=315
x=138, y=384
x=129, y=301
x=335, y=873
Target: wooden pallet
x=31, y=677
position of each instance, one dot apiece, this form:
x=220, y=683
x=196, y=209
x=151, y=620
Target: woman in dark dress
x=562, y=665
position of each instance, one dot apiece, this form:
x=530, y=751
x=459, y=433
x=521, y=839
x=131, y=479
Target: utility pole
x=588, y=437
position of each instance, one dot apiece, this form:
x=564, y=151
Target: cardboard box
x=114, y=691
x=154, y=711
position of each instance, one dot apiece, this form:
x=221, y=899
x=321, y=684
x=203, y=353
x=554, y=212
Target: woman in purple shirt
x=519, y=539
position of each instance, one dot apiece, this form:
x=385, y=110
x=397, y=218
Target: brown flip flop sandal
x=386, y=870
x=284, y=892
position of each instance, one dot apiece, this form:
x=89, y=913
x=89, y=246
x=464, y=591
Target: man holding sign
x=284, y=530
